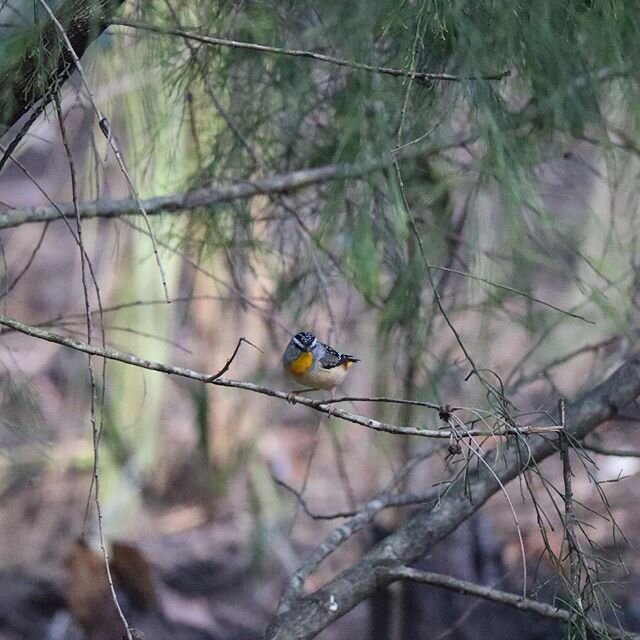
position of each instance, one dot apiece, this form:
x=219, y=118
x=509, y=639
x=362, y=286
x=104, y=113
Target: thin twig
x=342, y=468
x=11, y=286
x=56, y=212
x=69, y=324
x=305, y=507
x=72, y=215
x=505, y=287
x=227, y=364
x=106, y=130
x=420, y=76
x=70, y=319
x=413, y=227
x=527, y=379
x=92, y=380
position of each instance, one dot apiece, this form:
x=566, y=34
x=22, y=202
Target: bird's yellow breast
x=301, y=364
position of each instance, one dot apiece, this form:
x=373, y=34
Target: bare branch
x=419, y=76
x=205, y=197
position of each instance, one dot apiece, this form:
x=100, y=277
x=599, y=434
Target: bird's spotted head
x=305, y=340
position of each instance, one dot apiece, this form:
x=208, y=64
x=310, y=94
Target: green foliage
x=465, y=209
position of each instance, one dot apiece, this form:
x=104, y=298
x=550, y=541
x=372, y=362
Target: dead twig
x=227, y=364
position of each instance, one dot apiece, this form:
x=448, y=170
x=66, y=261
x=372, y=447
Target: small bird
x=315, y=364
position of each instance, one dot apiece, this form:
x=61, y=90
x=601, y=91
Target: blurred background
x=492, y=267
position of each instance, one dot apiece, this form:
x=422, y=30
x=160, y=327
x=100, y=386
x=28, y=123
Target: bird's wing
x=332, y=358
